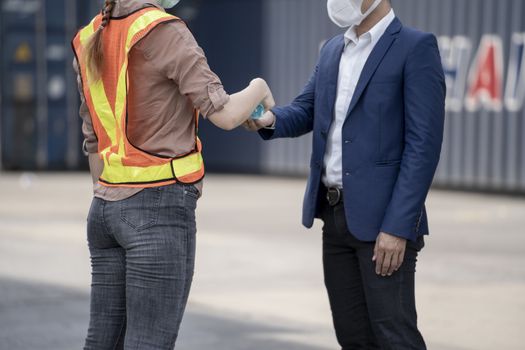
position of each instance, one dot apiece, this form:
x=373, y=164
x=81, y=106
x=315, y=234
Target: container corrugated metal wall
x=295, y=31
x=482, y=44
x=40, y=126
x=484, y=144
x=232, y=43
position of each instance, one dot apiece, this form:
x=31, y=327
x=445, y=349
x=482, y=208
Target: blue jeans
x=142, y=257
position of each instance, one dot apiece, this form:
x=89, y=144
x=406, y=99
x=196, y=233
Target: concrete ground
x=258, y=283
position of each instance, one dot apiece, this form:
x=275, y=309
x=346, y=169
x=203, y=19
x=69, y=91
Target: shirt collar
x=374, y=34
x=126, y=7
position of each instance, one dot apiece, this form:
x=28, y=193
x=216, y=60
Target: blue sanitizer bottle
x=258, y=113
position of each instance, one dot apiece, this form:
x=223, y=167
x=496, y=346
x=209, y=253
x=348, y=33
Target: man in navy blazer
x=375, y=104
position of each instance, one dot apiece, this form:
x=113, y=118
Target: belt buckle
x=333, y=195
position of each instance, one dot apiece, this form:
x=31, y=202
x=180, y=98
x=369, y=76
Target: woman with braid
x=143, y=81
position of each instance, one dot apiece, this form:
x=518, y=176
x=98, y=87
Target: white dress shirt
x=356, y=53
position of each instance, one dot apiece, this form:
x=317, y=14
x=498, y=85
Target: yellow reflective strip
x=122, y=92
x=121, y=102
x=115, y=172
x=87, y=32
x=103, y=108
x=188, y=165
x=138, y=25
x=118, y=173
x=107, y=151
x=98, y=92
x=142, y=23
x=107, y=166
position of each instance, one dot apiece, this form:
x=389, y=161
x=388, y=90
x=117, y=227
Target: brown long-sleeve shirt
x=168, y=77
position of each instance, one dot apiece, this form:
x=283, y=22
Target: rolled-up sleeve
x=175, y=52
x=90, y=138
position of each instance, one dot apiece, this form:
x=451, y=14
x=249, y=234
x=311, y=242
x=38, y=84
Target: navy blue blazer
x=392, y=135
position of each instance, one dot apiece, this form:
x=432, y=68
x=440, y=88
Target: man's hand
x=267, y=120
x=389, y=253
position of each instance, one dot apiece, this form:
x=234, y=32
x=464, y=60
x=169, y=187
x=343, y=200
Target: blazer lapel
x=375, y=58
x=332, y=74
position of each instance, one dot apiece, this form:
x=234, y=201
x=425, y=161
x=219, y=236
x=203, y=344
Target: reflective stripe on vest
x=106, y=98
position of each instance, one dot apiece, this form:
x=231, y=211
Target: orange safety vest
x=124, y=164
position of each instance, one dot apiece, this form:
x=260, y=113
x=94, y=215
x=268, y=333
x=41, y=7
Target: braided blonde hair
x=94, y=53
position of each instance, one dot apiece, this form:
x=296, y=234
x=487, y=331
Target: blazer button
x=324, y=133
x=349, y=141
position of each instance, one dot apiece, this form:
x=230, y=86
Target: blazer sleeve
x=424, y=91
x=297, y=118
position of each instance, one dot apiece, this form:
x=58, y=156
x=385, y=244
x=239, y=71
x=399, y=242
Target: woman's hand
x=242, y=104
x=268, y=102
x=268, y=119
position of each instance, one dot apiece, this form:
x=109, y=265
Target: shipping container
x=482, y=43
x=294, y=33
x=39, y=123
x=482, y=46
x=231, y=33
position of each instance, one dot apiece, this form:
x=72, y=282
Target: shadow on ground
x=45, y=317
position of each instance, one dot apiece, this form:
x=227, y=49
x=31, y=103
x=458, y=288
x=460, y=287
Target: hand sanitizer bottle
x=258, y=113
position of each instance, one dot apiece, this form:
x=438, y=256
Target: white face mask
x=167, y=4
x=346, y=13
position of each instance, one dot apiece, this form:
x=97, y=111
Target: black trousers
x=369, y=311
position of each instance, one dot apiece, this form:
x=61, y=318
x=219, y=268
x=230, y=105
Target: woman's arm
x=90, y=145
x=242, y=104
x=180, y=59
x=293, y=120
x=96, y=166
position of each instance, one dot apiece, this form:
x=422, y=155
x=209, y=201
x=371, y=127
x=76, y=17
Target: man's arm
x=424, y=120
x=295, y=119
x=424, y=93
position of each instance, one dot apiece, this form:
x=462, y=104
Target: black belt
x=334, y=196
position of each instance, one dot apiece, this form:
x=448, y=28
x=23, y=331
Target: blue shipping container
x=39, y=123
